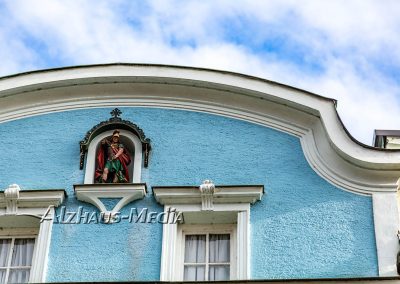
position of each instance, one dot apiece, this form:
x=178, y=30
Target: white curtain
x=18, y=276
x=219, y=252
x=195, y=252
x=23, y=252
x=3, y=273
x=22, y=256
x=4, y=248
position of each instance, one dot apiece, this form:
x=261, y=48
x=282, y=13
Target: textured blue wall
x=303, y=228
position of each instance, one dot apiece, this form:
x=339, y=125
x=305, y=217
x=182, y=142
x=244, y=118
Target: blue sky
x=347, y=50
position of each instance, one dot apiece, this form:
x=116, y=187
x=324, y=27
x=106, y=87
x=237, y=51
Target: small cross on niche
x=116, y=113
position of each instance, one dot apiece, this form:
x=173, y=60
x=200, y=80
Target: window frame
x=206, y=229
x=213, y=205
x=19, y=234
x=42, y=234
x=34, y=209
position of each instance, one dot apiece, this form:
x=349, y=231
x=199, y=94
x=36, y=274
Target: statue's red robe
x=101, y=156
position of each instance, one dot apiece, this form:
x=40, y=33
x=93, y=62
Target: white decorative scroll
x=11, y=196
x=207, y=189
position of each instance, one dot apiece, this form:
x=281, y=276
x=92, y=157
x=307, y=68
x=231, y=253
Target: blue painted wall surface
x=303, y=228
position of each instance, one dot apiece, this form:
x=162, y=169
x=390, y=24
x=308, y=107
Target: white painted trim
x=327, y=147
x=18, y=204
x=219, y=207
x=91, y=156
x=42, y=247
x=231, y=199
x=29, y=199
x=91, y=193
x=221, y=194
x=168, y=251
x=171, y=259
x=243, y=244
x=386, y=220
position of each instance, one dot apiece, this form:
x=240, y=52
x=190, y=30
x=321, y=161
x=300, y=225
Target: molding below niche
x=127, y=192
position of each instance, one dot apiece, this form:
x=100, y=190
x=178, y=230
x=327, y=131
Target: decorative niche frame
x=131, y=131
x=135, y=142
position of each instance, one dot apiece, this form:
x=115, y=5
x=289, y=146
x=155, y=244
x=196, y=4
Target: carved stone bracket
x=207, y=195
x=11, y=196
x=93, y=193
x=115, y=122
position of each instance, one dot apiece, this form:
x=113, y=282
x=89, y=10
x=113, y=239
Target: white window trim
x=386, y=224
x=37, y=204
x=91, y=156
x=202, y=229
x=207, y=197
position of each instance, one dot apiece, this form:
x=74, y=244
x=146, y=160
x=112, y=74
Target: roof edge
x=167, y=66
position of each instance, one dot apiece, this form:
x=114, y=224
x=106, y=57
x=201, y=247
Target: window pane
x=18, y=276
x=218, y=272
x=4, y=248
x=195, y=248
x=3, y=275
x=219, y=248
x=23, y=251
x=194, y=273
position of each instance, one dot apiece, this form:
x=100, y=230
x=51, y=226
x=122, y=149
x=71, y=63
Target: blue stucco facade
x=304, y=227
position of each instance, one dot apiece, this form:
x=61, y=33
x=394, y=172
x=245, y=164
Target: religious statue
x=112, y=161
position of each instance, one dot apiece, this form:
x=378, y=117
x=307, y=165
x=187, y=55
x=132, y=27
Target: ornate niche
x=131, y=136
x=135, y=146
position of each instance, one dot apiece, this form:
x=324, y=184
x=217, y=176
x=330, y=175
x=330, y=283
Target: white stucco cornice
x=14, y=201
x=167, y=195
x=331, y=152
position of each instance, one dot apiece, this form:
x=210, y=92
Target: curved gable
x=328, y=148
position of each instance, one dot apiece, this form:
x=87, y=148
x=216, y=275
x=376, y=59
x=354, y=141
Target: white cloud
x=345, y=39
